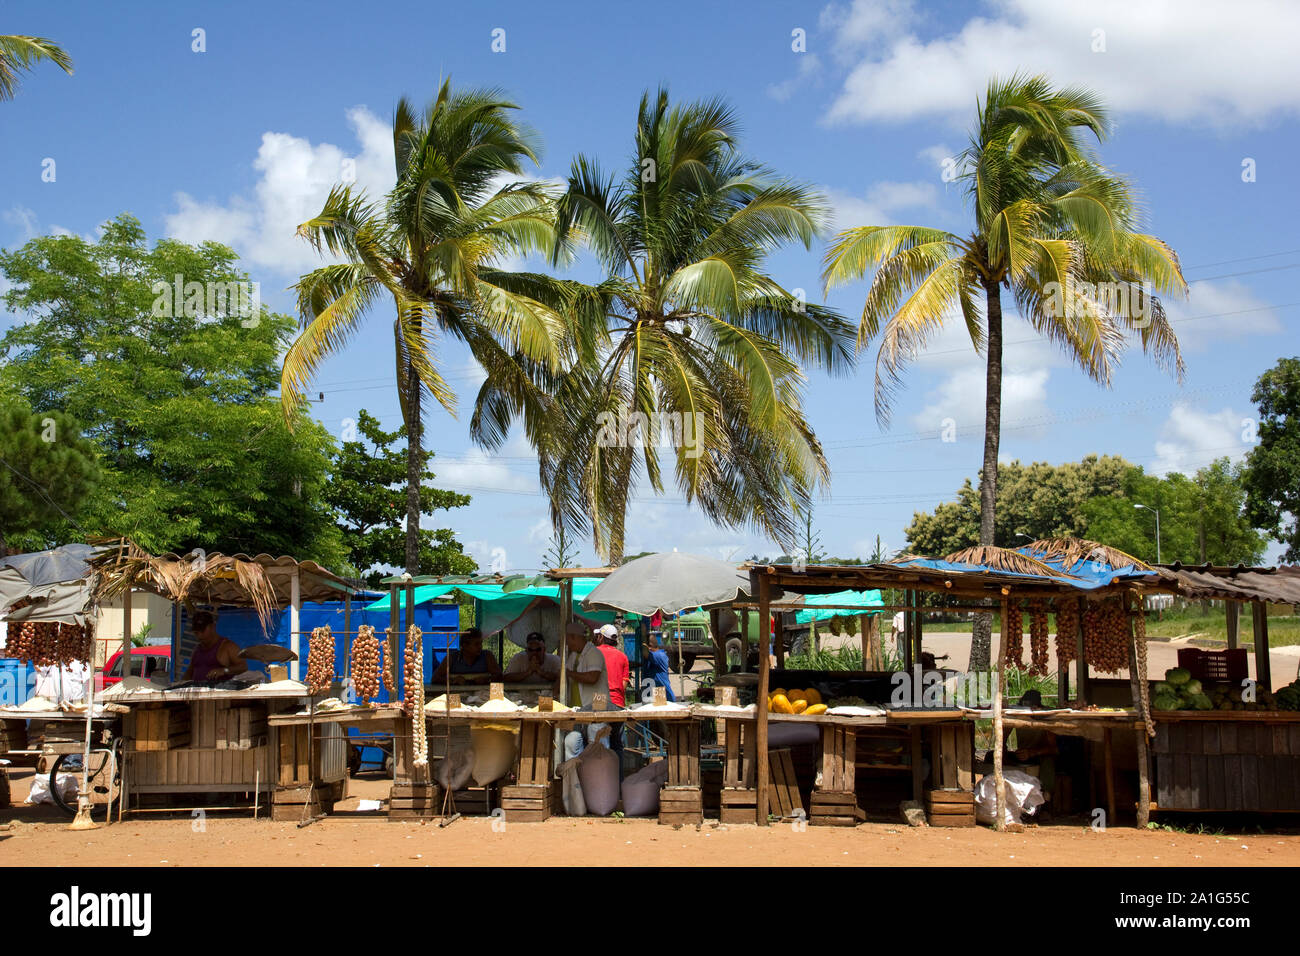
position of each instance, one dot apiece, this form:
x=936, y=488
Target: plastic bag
x=641, y=790
x=1024, y=795
x=454, y=771
x=40, y=792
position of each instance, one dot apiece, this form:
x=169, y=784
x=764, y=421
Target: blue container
x=17, y=680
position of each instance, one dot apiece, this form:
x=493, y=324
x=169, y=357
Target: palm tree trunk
x=414, y=444
x=982, y=638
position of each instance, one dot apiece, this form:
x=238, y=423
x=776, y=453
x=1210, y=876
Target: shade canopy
x=52, y=585
x=669, y=582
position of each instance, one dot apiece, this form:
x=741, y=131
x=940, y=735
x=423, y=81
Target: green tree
x=1202, y=519
x=19, y=54
x=1272, y=477
x=175, y=392
x=435, y=247
x=1053, y=226
x=46, y=472
x=688, y=342
x=1035, y=501
x=364, y=490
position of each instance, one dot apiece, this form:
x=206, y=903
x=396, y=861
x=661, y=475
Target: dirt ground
x=39, y=836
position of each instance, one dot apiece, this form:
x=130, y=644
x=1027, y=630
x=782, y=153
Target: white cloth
x=550, y=665
x=899, y=620
x=591, y=659
x=62, y=684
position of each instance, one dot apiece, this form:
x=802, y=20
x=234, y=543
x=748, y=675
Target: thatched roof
x=1005, y=560
x=1070, y=551
x=261, y=582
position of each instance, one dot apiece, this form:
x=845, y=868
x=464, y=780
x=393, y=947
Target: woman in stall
x=468, y=664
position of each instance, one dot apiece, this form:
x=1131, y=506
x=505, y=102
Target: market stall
x=196, y=742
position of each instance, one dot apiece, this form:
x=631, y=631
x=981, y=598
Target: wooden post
x=907, y=633
x=394, y=661
x=916, y=626
x=566, y=615
x=347, y=636
x=1110, y=779
x=758, y=584
x=779, y=639
x=1233, y=611
x=871, y=642
x=295, y=607
x=1081, y=662
x=1263, y=666
x=1144, y=764
x=719, y=643
x=744, y=639
x=126, y=633
x=999, y=783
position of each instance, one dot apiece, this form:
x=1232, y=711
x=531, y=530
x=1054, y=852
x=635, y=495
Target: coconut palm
x=1051, y=225
x=437, y=247
x=689, y=331
x=19, y=54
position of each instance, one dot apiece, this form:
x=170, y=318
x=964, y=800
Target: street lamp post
x=1156, y=512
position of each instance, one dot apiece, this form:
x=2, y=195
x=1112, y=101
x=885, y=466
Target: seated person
x=468, y=664
x=534, y=664
x=216, y=657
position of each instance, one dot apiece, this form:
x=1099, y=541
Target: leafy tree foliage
x=46, y=471
x=1272, y=477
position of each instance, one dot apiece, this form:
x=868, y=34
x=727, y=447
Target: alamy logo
x=77, y=909
x=629, y=429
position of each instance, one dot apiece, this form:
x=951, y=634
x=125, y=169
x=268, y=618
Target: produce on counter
x=1038, y=631
x=414, y=699
x=386, y=661
x=1013, y=639
x=796, y=701
x=320, y=660
x=1106, y=633
x=1288, y=698
x=1067, y=630
x=1179, y=691
x=365, y=663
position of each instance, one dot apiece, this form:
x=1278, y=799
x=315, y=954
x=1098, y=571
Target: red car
x=152, y=662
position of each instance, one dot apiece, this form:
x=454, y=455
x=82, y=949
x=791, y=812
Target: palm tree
x=688, y=330
x=436, y=247
x=1051, y=225
x=19, y=54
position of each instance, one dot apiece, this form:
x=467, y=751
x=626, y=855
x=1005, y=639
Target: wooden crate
x=952, y=756
x=739, y=805
x=835, y=808
x=240, y=727
x=529, y=803
x=476, y=801
x=414, y=801
x=684, y=754
x=536, y=754
x=681, y=805
x=13, y=735
x=783, y=797
x=838, y=758
x=161, y=727
x=950, y=808
x=294, y=804
x=739, y=761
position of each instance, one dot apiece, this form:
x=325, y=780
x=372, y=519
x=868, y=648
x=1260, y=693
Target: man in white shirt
x=897, y=630
x=587, y=679
x=534, y=664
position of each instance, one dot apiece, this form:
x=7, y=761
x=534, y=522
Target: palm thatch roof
x=1070, y=551
x=1004, y=560
x=261, y=582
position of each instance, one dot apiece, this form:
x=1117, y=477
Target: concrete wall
x=146, y=607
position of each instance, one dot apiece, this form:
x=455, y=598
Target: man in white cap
x=587, y=679
x=619, y=673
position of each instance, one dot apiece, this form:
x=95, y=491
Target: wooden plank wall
x=1227, y=765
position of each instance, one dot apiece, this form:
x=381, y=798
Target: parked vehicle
x=152, y=662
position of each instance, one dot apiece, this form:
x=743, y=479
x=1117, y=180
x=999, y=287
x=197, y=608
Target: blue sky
x=240, y=142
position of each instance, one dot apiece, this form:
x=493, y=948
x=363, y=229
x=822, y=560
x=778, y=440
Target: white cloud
x=959, y=400
x=511, y=469
x=809, y=71
x=1177, y=60
x=25, y=219
x=294, y=178
x=881, y=203
x=1192, y=439
x=1218, y=312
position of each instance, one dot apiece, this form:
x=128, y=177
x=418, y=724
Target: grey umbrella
x=66, y=563
x=669, y=582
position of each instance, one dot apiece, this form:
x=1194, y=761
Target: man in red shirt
x=619, y=672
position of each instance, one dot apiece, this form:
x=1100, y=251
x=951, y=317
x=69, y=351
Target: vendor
x=655, y=667
x=585, y=666
x=469, y=664
x=215, y=657
x=534, y=664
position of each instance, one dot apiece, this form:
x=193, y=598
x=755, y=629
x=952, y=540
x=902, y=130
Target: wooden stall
x=1227, y=761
